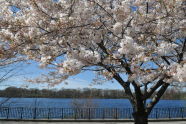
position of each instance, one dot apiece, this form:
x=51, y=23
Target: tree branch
x=139, y=97
x=153, y=88
x=183, y=50
x=157, y=97
x=165, y=59
x=125, y=85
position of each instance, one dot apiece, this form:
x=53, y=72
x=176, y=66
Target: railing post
x=34, y=113
x=75, y=113
x=169, y=113
x=182, y=114
x=130, y=113
x=156, y=112
x=48, y=113
x=116, y=115
x=89, y=114
x=103, y=110
x=8, y=112
x=61, y=113
x=21, y=113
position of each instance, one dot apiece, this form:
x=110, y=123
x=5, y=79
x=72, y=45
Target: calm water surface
x=67, y=103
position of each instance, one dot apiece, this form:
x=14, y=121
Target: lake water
x=67, y=103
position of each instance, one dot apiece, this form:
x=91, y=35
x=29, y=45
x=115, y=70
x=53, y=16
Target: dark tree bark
x=140, y=117
x=141, y=110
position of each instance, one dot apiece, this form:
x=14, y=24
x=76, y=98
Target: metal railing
x=85, y=113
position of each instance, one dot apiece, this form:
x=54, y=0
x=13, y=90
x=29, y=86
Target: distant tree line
x=174, y=94
x=63, y=93
x=79, y=93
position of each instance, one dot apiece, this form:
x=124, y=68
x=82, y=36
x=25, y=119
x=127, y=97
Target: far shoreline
x=86, y=93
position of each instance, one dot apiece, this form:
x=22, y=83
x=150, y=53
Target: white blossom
x=165, y=48
x=86, y=56
x=129, y=46
x=71, y=67
x=117, y=27
x=180, y=73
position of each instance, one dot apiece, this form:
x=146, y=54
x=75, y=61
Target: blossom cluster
x=87, y=57
x=129, y=47
x=178, y=72
x=165, y=48
x=71, y=67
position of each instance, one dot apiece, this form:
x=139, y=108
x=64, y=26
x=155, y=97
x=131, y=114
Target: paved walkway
x=22, y=122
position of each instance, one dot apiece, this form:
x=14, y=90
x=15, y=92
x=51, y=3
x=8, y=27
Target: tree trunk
x=140, y=118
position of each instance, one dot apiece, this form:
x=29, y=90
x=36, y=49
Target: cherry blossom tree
x=141, y=39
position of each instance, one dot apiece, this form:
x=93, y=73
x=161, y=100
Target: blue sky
x=29, y=71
